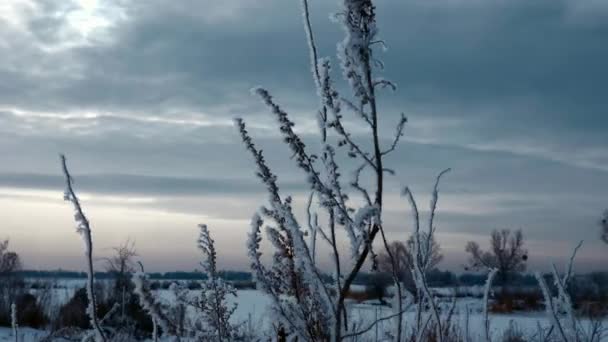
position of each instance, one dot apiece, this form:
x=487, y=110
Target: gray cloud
x=509, y=94
x=117, y=184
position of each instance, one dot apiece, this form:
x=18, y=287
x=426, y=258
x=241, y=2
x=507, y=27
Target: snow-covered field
x=252, y=312
x=255, y=303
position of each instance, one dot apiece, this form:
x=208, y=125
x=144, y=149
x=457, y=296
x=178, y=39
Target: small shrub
x=73, y=313
x=193, y=285
x=29, y=312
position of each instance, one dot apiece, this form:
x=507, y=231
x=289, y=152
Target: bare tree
x=9, y=261
x=604, y=226
x=404, y=259
x=121, y=265
x=507, y=253
x=122, y=262
x=10, y=290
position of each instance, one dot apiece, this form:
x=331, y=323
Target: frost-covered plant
x=306, y=306
x=84, y=229
x=14, y=324
x=486, y=304
x=152, y=306
x=212, y=302
x=422, y=249
x=121, y=264
x=568, y=328
x=295, y=300
x=212, y=322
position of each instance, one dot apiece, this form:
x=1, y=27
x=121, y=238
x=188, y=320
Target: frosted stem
x=84, y=229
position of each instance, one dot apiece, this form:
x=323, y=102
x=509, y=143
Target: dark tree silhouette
x=121, y=263
x=404, y=260
x=506, y=253
x=10, y=290
x=9, y=261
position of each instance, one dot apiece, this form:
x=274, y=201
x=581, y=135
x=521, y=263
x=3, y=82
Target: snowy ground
x=252, y=312
x=363, y=313
x=25, y=335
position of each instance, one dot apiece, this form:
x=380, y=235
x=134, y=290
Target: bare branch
x=383, y=83
x=571, y=263
x=355, y=184
x=398, y=134
x=357, y=110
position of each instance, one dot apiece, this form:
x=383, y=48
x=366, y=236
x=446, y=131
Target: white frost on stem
x=564, y=297
x=419, y=264
x=486, y=304
x=154, y=330
x=312, y=309
x=14, y=324
x=571, y=333
x=149, y=304
x=212, y=302
x=84, y=229
x=550, y=308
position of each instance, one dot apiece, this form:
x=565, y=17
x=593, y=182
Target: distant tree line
x=436, y=277
x=175, y=275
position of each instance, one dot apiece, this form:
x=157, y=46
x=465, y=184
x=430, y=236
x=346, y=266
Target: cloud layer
x=510, y=94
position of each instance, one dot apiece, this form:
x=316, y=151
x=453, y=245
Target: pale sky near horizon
x=141, y=97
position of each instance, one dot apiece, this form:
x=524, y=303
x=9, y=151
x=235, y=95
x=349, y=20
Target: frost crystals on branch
x=418, y=270
x=486, y=304
x=306, y=306
x=568, y=331
x=14, y=324
x=84, y=229
x=293, y=281
x=212, y=301
x=151, y=305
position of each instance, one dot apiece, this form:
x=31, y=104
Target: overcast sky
x=140, y=96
